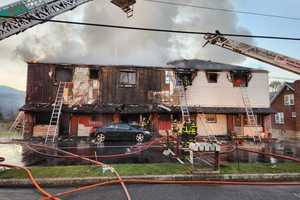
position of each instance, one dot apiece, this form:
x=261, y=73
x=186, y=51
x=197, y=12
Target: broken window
x=63, y=75
x=212, y=77
x=128, y=78
x=42, y=118
x=211, y=118
x=94, y=74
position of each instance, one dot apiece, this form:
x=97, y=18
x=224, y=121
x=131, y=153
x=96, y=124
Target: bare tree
x=275, y=86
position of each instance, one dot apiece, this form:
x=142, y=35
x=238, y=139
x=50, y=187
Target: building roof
x=282, y=88
x=140, y=109
x=209, y=65
x=190, y=64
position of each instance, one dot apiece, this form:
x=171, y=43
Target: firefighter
x=194, y=128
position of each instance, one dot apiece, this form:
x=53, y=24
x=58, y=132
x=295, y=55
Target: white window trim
x=279, y=118
x=289, y=100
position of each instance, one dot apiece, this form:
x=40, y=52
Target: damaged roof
x=189, y=64
x=140, y=109
x=209, y=65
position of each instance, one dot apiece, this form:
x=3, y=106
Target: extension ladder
x=252, y=121
x=52, y=130
x=186, y=117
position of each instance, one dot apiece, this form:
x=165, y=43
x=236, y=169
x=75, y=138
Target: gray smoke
x=94, y=45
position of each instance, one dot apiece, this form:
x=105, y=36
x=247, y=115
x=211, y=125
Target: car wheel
x=140, y=137
x=100, y=138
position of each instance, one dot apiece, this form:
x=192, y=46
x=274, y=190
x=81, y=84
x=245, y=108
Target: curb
x=59, y=182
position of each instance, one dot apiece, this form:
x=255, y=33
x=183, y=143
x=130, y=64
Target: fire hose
x=140, y=181
x=31, y=178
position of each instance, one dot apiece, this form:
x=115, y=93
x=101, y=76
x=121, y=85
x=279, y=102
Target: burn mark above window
x=212, y=77
x=128, y=78
x=94, y=74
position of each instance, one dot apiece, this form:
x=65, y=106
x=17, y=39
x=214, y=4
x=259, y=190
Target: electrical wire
x=224, y=10
x=150, y=29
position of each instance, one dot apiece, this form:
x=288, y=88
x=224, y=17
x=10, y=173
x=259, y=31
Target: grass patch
x=145, y=169
x=93, y=171
x=287, y=167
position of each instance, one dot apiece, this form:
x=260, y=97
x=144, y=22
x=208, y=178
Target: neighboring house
x=97, y=95
x=286, y=120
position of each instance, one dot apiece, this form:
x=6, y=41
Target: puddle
x=16, y=154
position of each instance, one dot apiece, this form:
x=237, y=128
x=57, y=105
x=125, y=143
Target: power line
x=224, y=10
x=149, y=29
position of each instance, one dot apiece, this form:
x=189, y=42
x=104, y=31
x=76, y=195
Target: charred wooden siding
x=147, y=80
x=40, y=88
x=42, y=84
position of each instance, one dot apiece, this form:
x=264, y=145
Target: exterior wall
x=278, y=106
x=40, y=87
x=223, y=94
x=151, y=86
x=291, y=128
x=218, y=128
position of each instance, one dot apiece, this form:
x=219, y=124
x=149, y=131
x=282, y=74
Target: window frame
x=279, y=118
x=128, y=84
x=209, y=73
x=289, y=100
x=91, y=77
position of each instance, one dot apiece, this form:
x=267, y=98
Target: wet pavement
x=16, y=154
x=168, y=192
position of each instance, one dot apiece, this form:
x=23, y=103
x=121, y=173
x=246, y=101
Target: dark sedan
x=121, y=131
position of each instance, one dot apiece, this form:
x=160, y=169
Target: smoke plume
x=94, y=45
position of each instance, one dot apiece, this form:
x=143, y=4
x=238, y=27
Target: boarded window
x=63, y=75
x=211, y=118
x=94, y=74
x=212, y=77
x=128, y=78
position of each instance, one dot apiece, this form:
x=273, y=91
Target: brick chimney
x=297, y=103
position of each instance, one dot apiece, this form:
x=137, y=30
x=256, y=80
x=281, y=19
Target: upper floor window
x=279, y=118
x=212, y=77
x=289, y=100
x=294, y=114
x=128, y=78
x=94, y=74
x=63, y=74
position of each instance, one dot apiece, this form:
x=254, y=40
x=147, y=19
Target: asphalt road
x=167, y=192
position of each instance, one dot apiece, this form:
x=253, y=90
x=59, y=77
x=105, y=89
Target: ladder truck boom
x=26, y=11
x=264, y=55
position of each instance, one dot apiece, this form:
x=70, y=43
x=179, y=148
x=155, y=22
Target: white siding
x=223, y=94
x=218, y=128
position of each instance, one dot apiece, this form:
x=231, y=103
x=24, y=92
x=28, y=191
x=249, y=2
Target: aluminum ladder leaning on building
x=52, y=130
x=185, y=111
x=252, y=121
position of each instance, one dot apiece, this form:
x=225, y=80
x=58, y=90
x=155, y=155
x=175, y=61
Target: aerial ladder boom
x=264, y=55
x=28, y=13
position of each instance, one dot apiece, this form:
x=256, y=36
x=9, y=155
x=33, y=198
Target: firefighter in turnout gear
x=188, y=133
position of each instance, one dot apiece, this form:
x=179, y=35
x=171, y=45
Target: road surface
x=167, y=192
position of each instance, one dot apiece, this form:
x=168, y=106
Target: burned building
x=95, y=95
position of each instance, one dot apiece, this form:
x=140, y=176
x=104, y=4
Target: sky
x=14, y=49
